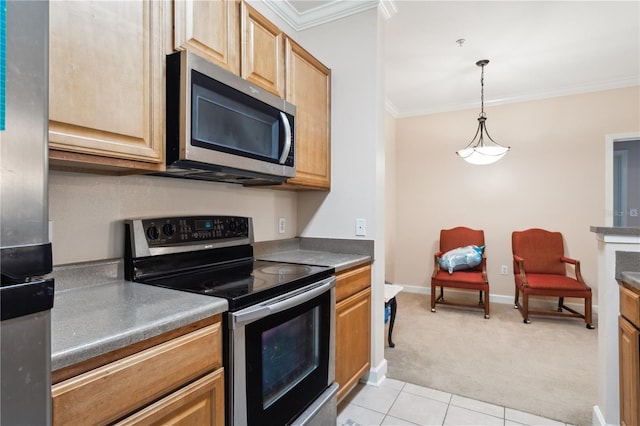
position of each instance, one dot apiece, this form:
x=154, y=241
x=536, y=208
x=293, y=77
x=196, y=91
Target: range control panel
x=195, y=229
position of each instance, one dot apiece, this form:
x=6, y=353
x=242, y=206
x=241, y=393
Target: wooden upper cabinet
x=211, y=29
x=262, y=47
x=308, y=87
x=106, y=85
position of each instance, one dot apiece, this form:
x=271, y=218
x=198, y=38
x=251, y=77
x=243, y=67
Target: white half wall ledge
x=610, y=240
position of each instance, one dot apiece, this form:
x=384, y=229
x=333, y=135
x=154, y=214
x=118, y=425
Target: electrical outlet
x=361, y=227
x=504, y=269
x=281, y=225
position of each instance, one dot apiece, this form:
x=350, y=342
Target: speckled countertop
x=340, y=261
x=337, y=253
x=631, y=278
x=616, y=230
x=96, y=311
x=88, y=320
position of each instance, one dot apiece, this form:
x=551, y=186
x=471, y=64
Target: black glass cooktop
x=244, y=283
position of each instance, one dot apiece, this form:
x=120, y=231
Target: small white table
x=390, y=293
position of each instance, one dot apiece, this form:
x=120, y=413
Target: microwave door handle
x=287, y=138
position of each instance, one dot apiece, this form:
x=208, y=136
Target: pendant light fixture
x=477, y=152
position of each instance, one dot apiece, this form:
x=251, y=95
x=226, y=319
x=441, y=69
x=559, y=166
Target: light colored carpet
x=547, y=368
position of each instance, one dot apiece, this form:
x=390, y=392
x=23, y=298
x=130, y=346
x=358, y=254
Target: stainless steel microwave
x=222, y=128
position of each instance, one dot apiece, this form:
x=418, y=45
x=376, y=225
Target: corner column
x=610, y=241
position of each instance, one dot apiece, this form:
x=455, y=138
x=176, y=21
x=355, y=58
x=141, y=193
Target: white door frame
x=608, y=171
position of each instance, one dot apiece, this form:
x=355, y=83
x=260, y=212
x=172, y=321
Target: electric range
x=210, y=255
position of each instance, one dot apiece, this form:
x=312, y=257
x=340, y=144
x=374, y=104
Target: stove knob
x=153, y=233
x=169, y=229
x=243, y=227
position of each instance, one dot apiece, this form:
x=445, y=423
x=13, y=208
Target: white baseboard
x=493, y=298
x=598, y=418
x=376, y=375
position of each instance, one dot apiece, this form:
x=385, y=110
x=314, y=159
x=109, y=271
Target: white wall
x=552, y=178
x=390, y=197
x=88, y=210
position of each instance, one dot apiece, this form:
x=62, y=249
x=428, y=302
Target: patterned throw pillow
x=461, y=258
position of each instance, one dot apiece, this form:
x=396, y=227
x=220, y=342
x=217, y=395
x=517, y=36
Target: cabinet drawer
x=114, y=390
x=352, y=281
x=199, y=403
x=630, y=305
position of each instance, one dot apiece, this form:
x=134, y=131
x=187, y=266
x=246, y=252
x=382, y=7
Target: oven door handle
x=282, y=303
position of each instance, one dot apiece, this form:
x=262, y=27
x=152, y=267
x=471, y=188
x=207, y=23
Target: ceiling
x=537, y=49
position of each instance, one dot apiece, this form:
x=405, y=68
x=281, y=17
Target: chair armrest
x=576, y=269
x=523, y=275
x=436, y=265
x=483, y=263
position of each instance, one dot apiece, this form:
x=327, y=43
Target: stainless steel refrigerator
x=26, y=295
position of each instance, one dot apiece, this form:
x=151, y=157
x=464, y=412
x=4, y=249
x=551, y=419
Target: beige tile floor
x=399, y=403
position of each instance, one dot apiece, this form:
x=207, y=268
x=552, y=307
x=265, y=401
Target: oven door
x=282, y=355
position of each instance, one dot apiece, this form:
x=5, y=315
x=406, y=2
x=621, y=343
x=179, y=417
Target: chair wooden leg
x=587, y=313
x=486, y=305
x=515, y=300
x=560, y=303
x=433, y=298
x=525, y=308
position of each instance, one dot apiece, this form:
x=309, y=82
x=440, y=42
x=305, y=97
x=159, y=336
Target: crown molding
x=388, y=8
x=567, y=91
x=327, y=12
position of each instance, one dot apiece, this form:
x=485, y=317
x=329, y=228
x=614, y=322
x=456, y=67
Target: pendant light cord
x=482, y=114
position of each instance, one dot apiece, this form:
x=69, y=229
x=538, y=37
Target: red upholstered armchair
x=468, y=279
x=540, y=269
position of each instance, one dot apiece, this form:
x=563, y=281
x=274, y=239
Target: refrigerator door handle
x=22, y=299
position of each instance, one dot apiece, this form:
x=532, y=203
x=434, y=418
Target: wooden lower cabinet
x=353, y=327
x=200, y=403
x=178, y=382
x=629, y=346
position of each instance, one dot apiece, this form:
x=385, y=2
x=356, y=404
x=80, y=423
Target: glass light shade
x=482, y=155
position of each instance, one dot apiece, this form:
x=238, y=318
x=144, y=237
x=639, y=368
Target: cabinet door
x=211, y=29
x=353, y=340
x=106, y=85
x=629, y=342
x=200, y=403
x=309, y=89
x=262, y=51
